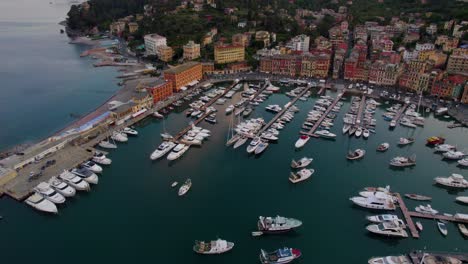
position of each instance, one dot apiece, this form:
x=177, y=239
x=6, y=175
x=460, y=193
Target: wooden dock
x=437, y=217
x=317, y=124
x=407, y=216
x=322, y=90
x=362, y=103
x=280, y=113
x=400, y=113
x=416, y=256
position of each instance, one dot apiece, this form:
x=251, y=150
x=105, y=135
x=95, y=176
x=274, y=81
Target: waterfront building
x=152, y=42
x=382, y=73
x=165, y=53
x=191, y=50
x=449, y=86
x=458, y=62
x=356, y=66
x=184, y=74
x=132, y=27
x=280, y=64
x=315, y=65
x=207, y=67
x=224, y=53
x=161, y=91
x=271, y=52
x=240, y=40
x=306, y=65
x=263, y=36
x=338, y=60
x=458, y=29
x=409, y=55
x=299, y=43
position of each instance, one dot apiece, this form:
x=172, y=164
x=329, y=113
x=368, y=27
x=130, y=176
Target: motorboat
x=49, y=193
x=261, y=147
x=432, y=141
x=268, y=136
x=241, y=141
x=119, y=137
x=301, y=175
x=185, y=187
x=382, y=218
x=273, y=108
x=40, y=203
x=352, y=130
x=247, y=111
x=426, y=209
x=463, y=229
x=454, y=181
x=462, y=199
x=454, y=155
x=166, y=136
x=358, y=132
x=419, y=226
x=405, y=141
x=418, y=197
x=92, y=166
x=388, y=228
x=62, y=187
x=325, y=134
x=365, y=133
x=463, y=162
x=278, y=224
x=383, y=147
x=178, y=151
x=162, y=150
x=100, y=158
x=157, y=115
x=217, y=246
x=107, y=144
x=407, y=123
x=403, y=161
x=301, y=141
x=303, y=162
x=392, y=124
x=444, y=148
x=85, y=174
x=253, y=145
x=239, y=111
x=442, y=228
x=74, y=181
x=378, y=201
x=279, y=256
x=357, y=154
x=390, y=260
x=130, y=131
x=189, y=140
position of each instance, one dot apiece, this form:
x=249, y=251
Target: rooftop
x=182, y=67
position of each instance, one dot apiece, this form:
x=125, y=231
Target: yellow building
x=165, y=53
x=191, y=50
x=458, y=62
x=228, y=53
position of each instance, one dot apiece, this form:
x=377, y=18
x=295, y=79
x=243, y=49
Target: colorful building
x=458, y=62
x=224, y=53
x=191, y=50
x=161, y=91
x=165, y=53
x=184, y=74
x=152, y=42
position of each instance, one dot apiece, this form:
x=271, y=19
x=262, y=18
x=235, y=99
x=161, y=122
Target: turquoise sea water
x=133, y=215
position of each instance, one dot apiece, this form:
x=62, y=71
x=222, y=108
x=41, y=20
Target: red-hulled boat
x=432, y=141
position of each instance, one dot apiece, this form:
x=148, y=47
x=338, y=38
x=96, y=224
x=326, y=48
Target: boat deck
x=400, y=113
x=416, y=256
x=317, y=124
x=280, y=113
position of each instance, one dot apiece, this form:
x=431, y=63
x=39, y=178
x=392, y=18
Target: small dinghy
x=303, y=162
x=383, y=147
x=418, y=197
x=419, y=226
x=357, y=154
x=442, y=228
x=174, y=184
x=463, y=229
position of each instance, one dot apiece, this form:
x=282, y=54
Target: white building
x=152, y=42
x=410, y=55
x=299, y=43
x=431, y=29
x=424, y=46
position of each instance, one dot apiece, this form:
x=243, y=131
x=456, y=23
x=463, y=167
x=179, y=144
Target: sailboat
x=231, y=138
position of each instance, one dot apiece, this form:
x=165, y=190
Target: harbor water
x=134, y=215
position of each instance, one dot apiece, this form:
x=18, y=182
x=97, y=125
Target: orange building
x=207, y=67
x=161, y=91
x=182, y=75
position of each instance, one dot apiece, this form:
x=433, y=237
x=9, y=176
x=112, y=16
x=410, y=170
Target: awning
x=139, y=112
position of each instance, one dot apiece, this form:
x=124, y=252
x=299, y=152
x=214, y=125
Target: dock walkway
x=400, y=113
x=280, y=113
x=317, y=124
x=406, y=214
x=362, y=103
x=417, y=256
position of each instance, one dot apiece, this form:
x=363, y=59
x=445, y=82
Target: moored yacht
x=388, y=228
x=119, y=137
x=303, y=162
x=280, y=256
x=162, y=150
x=301, y=175
x=241, y=141
x=383, y=147
x=463, y=162
x=107, y=144
x=278, y=224
x=74, y=181
x=426, y=209
x=130, y=131
x=444, y=148
x=86, y=174
x=432, y=141
x=356, y=154
x=382, y=218
x=92, y=166
x=358, y=132
x=454, y=181
x=403, y=161
x=178, y=151
x=218, y=246
x=454, y=155
x=62, y=187
x=253, y=145
x=185, y=187
x=100, y=158
x=301, y=141
x=381, y=202
x=49, y=193
x=40, y=203
x=325, y=134
x=261, y=147
x=405, y=141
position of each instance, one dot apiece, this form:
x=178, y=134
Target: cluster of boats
x=47, y=195
x=375, y=198
x=117, y=136
x=303, y=173
x=354, y=126
x=449, y=152
x=426, y=258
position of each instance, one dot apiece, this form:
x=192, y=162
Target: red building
x=161, y=91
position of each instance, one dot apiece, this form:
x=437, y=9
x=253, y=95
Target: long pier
x=317, y=124
x=361, y=109
x=407, y=216
x=438, y=217
x=280, y=113
x=417, y=256
x=400, y=113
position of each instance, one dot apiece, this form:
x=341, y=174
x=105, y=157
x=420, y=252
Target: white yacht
x=301, y=141
x=253, y=145
x=273, y=108
x=388, y=228
x=162, y=150
x=462, y=199
x=454, y=181
x=92, y=166
x=405, y=141
x=107, y=144
x=100, y=158
x=445, y=148
x=382, y=218
x=392, y=123
x=50, y=194
x=261, y=147
x=303, y=162
x=188, y=140
x=85, y=174
x=374, y=202
x=325, y=134
x=241, y=141
x=269, y=136
x=40, y=203
x=178, y=151
x=463, y=162
x=229, y=109
x=185, y=187
x=62, y=187
x=74, y=181
x=454, y=155
x=119, y=137
x=365, y=133
x=358, y=132
x=390, y=260
x=130, y=131
x=301, y=175
x=426, y=209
